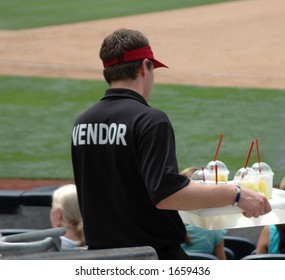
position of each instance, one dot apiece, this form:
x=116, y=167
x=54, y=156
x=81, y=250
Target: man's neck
x=129, y=84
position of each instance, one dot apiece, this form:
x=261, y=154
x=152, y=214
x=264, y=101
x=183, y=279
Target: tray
x=232, y=217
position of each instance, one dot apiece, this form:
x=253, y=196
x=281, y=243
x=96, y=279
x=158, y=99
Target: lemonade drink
x=252, y=184
x=265, y=178
x=223, y=172
x=266, y=185
x=247, y=178
x=222, y=176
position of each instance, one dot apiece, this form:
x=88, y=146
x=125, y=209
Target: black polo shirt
x=124, y=162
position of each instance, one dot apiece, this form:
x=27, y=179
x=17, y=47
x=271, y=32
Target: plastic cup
x=202, y=176
x=247, y=178
x=265, y=174
x=223, y=172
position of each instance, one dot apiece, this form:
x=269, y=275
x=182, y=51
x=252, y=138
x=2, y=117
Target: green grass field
x=15, y=14
x=37, y=115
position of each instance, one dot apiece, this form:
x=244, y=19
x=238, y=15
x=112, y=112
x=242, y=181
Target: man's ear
x=144, y=67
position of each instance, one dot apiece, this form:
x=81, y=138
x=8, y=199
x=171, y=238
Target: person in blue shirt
x=272, y=237
x=271, y=240
x=199, y=240
x=206, y=241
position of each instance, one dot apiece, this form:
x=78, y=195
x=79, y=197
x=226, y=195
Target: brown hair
x=114, y=45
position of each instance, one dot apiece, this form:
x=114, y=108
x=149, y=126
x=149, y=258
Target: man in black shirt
x=125, y=165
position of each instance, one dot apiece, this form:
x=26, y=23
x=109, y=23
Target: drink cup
x=202, y=176
x=265, y=174
x=223, y=172
x=247, y=178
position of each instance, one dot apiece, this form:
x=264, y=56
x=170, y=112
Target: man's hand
x=253, y=204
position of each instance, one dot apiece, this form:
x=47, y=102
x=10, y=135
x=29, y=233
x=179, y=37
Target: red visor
x=134, y=55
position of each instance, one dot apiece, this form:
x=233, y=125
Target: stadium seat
x=230, y=255
x=241, y=246
x=130, y=253
x=41, y=196
x=11, y=231
x=265, y=257
x=10, y=201
x=202, y=256
x=36, y=235
x=24, y=248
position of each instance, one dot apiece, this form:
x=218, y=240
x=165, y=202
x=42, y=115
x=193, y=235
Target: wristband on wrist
x=237, y=196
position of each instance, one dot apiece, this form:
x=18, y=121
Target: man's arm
x=200, y=196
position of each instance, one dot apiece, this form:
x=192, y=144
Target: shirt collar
x=124, y=93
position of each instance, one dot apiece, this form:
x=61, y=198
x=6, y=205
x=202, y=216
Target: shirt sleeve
x=219, y=235
x=158, y=163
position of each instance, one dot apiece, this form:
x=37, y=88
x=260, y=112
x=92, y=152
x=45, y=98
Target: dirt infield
x=238, y=44
x=232, y=44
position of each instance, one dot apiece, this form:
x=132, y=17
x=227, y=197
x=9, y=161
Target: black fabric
x=174, y=252
x=124, y=163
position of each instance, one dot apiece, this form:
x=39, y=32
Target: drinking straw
x=203, y=173
x=248, y=156
x=216, y=173
x=218, y=148
x=258, y=154
x=249, y=153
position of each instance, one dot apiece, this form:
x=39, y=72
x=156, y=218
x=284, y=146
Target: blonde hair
x=65, y=198
x=189, y=171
